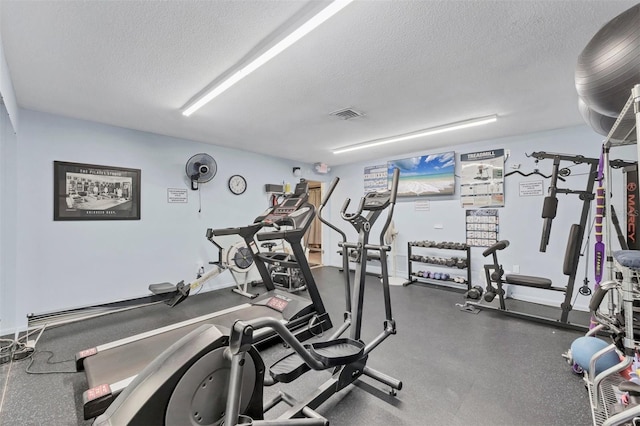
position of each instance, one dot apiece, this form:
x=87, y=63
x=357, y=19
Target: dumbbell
x=490, y=295
x=474, y=293
x=451, y=261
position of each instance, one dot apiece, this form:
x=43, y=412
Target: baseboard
x=12, y=332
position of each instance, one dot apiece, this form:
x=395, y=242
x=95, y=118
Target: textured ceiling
x=407, y=65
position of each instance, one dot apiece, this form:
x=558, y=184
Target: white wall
x=520, y=219
x=8, y=220
x=8, y=127
x=66, y=264
x=6, y=88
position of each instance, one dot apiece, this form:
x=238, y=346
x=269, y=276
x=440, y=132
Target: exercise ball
x=602, y=124
x=609, y=66
x=583, y=348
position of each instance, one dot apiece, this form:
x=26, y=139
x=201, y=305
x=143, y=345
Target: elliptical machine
x=209, y=378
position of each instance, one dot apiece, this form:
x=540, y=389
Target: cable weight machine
x=495, y=274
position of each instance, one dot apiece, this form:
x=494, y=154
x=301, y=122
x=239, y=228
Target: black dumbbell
x=474, y=293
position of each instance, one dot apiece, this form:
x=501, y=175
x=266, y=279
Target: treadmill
x=110, y=367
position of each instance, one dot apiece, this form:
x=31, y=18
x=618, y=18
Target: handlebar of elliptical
x=392, y=203
x=325, y=199
x=244, y=328
x=329, y=192
x=394, y=185
x=349, y=216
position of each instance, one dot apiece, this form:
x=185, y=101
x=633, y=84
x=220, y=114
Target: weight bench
x=494, y=273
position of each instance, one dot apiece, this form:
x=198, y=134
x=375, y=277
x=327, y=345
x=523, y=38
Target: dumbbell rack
x=435, y=247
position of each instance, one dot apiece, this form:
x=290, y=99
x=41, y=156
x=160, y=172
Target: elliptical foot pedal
x=336, y=352
x=288, y=368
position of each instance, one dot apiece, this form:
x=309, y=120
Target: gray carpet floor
x=457, y=368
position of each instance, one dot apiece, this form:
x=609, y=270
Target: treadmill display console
x=287, y=207
x=278, y=303
x=284, y=209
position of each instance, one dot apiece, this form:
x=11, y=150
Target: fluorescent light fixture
x=420, y=133
x=305, y=29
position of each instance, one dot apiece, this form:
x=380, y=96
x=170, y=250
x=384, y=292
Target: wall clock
x=237, y=184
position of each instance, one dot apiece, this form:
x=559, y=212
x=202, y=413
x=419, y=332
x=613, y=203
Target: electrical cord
x=6, y=351
x=48, y=362
x=21, y=351
x=16, y=350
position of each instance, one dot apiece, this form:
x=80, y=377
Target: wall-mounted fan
x=201, y=168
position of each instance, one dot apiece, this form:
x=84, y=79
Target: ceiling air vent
x=347, y=113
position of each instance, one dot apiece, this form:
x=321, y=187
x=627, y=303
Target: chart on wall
x=482, y=227
x=375, y=178
x=482, y=179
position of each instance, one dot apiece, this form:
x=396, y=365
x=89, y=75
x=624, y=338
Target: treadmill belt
x=122, y=362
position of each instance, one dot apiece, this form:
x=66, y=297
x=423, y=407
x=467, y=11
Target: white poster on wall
x=177, y=195
x=482, y=179
x=531, y=188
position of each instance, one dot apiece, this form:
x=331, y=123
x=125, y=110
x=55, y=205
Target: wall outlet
x=438, y=226
x=516, y=269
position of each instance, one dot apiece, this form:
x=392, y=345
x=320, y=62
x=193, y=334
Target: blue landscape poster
x=432, y=174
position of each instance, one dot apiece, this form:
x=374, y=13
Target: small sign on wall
x=531, y=188
x=422, y=206
x=177, y=195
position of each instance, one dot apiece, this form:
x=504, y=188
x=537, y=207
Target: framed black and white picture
x=93, y=192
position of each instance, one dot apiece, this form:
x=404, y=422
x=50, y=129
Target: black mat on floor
x=457, y=368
